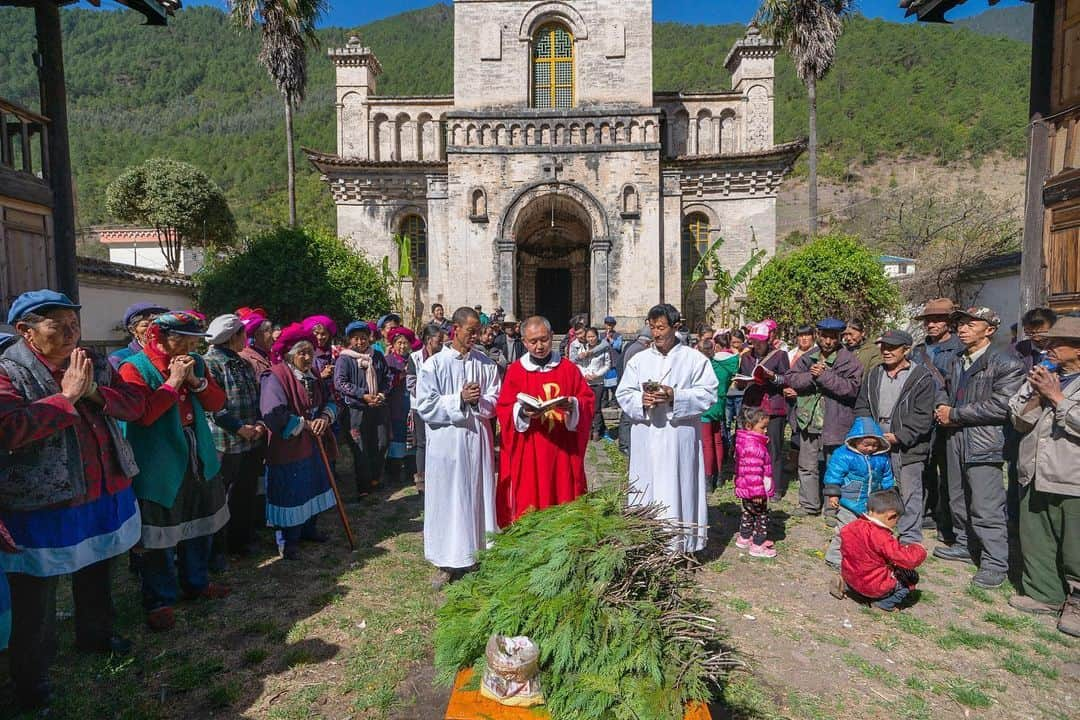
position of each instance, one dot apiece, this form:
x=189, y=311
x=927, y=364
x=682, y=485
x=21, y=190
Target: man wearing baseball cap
x=980, y=384
x=65, y=485
x=900, y=395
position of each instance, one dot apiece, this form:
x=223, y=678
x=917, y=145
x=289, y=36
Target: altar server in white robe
x=456, y=396
x=663, y=391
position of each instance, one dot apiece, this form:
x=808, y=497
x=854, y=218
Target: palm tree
x=288, y=28
x=808, y=30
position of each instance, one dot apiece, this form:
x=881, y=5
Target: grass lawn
x=345, y=634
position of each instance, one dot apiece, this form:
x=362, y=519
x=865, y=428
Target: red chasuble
x=545, y=464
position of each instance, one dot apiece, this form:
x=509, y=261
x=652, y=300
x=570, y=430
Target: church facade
x=555, y=180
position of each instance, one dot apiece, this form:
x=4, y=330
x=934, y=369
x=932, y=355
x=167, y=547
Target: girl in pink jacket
x=754, y=481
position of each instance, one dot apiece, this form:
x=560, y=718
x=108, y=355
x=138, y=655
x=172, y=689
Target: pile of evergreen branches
x=621, y=630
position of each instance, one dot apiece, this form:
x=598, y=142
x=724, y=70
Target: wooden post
x=54, y=106
x=1032, y=271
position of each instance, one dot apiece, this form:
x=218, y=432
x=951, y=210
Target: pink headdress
x=252, y=322
x=290, y=336
x=407, y=333
x=311, y=321
x=759, y=332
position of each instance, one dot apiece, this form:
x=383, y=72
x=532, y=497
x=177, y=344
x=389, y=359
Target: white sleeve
x=489, y=396
x=628, y=394
x=433, y=407
x=699, y=396
x=573, y=415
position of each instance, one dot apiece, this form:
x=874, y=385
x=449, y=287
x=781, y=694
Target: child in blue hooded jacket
x=857, y=468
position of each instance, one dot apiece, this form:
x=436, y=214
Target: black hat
x=896, y=338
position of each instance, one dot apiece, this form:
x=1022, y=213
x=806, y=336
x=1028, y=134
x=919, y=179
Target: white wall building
x=139, y=248
x=555, y=180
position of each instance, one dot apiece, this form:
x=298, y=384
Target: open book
x=758, y=375
x=536, y=403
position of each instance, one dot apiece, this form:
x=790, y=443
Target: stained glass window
x=553, y=68
x=415, y=229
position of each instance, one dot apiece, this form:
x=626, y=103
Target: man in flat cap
x=827, y=382
x=65, y=485
x=980, y=383
x=900, y=396
x=239, y=435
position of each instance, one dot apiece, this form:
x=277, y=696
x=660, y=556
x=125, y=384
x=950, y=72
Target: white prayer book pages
x=535, y=403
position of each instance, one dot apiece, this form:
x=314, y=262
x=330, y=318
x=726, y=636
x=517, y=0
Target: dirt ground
x=347, y=634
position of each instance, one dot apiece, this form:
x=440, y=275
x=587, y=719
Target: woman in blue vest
x=180, y=494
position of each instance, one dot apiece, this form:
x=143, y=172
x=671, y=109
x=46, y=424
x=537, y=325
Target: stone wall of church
x=492, y=41
x=465, y=263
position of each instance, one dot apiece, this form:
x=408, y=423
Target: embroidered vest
x=50, y=471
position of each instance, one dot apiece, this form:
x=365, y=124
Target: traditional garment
x=180, y=494
x=666, y=464
x=78, y=507
x=297, y=487
x=542, y=462
x=397, y=405
x=258, y=359
x=459, y=502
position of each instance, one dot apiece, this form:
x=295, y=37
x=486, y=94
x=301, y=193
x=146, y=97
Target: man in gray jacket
x=900, y=395
x=1047, y=412
x=981, y=382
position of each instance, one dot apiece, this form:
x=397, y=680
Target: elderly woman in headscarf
x=259, y=333
x=180, y=493
x=384, y=326
x=362, y=381
x=323, y=329
x=298, y=409
x=402, y=342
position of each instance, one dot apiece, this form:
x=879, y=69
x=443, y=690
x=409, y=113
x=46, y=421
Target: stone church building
x=555, y=180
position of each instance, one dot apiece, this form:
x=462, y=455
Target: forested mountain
x=1010, y=22
x=194, y=91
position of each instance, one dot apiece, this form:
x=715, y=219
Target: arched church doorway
x=552, y=234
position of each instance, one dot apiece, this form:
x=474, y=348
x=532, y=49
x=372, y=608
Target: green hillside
x=194, y=91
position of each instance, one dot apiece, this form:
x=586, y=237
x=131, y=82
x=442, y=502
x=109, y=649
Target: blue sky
x=349, y=13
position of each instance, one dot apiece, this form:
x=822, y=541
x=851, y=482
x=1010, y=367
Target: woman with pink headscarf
x=401, y=341
x=765, y=392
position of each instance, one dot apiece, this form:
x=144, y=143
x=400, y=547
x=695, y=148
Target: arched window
x=414, y=228
x=694, y=245
x=553, y=67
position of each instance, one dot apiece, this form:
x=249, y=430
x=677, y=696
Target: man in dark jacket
x=827, y=382
x=936, y=353
x=900, y=396
x=509, y=340
x=981, y=382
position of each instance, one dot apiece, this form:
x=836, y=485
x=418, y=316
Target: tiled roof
x=934, y=10
x=321, y=159
x=119, y=271
x=776, y=152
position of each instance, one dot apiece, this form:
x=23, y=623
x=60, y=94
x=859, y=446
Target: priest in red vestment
x=543, y=451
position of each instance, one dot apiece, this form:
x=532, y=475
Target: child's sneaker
x=741, y=542
x=762, y=551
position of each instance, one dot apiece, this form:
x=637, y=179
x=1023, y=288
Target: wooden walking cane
x=337, y=493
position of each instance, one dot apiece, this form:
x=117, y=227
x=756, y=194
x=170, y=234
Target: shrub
x=295, y=273
x=835, y=275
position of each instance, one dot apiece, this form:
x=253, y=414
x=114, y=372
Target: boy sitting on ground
x=857, y=469
x=875, y=564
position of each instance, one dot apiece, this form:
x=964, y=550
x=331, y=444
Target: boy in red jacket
x=874, y=563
